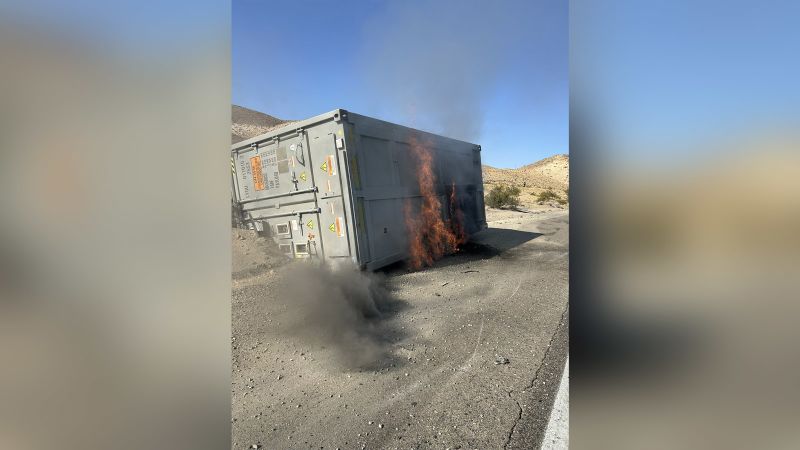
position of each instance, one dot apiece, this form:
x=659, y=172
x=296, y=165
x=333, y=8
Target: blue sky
x=494, y=74
x=671, y=78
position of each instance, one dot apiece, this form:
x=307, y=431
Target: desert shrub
x=502, y=196
x=546, y=196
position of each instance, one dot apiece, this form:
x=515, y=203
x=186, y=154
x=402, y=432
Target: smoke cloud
x=339, y=309
x=437, y=60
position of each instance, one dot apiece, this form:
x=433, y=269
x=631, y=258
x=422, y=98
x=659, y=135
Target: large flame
x=430, y=237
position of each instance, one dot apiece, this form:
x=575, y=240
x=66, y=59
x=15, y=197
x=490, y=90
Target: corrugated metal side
x=384, y=174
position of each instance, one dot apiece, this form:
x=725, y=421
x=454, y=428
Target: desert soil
x=475, y=348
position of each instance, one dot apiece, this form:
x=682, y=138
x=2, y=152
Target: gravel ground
x=472, y=350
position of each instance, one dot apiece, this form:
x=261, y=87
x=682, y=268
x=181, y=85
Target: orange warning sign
x=258, y=177
x=339, y=230
x=327, y=166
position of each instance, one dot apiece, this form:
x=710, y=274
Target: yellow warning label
x=324, y=166
x=303, y=176
x=310, y=224
x=332, y=227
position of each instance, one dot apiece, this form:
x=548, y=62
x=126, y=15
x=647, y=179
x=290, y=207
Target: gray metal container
x=335, y=186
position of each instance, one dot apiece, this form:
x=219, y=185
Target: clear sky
x=494, y=73
x=670, y=77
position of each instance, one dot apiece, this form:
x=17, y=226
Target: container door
x=327, y=167
x=275, y=178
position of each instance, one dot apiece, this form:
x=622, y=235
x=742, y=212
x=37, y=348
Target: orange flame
x=456, y=217
x=430, y=237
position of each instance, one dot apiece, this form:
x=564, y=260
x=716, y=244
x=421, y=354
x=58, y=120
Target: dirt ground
x=472, y=349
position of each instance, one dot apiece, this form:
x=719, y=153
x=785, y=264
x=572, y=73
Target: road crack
x=535, y=378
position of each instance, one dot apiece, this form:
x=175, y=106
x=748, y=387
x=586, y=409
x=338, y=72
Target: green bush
x=546, y=196
x=502, y=196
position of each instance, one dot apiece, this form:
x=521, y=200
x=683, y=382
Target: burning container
x=342, y=186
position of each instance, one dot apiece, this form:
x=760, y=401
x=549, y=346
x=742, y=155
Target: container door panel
x=387, y=226
x=333, y=228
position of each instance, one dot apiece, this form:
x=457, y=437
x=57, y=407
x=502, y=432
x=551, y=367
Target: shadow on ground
x=503, y=239
x=483, y=245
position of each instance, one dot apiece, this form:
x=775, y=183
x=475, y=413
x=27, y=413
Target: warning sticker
x=327, y=166
x=303, y=176
x=332, y=227
x=331, y=172
x=310, y=224
x=258, y=176
x=339, y=228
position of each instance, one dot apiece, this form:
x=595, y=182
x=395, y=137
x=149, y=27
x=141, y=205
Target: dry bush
x=502, y=196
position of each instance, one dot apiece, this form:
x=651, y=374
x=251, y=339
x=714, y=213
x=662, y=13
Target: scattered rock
x=501, y=360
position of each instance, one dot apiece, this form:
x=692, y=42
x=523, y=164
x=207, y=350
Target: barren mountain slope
x=246, y=123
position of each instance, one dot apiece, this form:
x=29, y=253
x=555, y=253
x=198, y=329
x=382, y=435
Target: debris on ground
x=501, y=360
x=471, y=271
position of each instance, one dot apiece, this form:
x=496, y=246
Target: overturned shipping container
x=342, y=186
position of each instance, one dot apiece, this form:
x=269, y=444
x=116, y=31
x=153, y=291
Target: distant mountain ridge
x=247, y=123
x=548, y=173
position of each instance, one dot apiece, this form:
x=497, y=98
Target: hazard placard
x=303, y=176
x=332, y=227
x=331, y=167
x=328, y=166
x=310, y=224
x=339, y=227
x=258, y=176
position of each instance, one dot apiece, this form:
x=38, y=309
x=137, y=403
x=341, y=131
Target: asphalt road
x=444, y=329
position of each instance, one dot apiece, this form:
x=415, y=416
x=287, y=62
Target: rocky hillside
x=246, y=123
x=549, y=173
